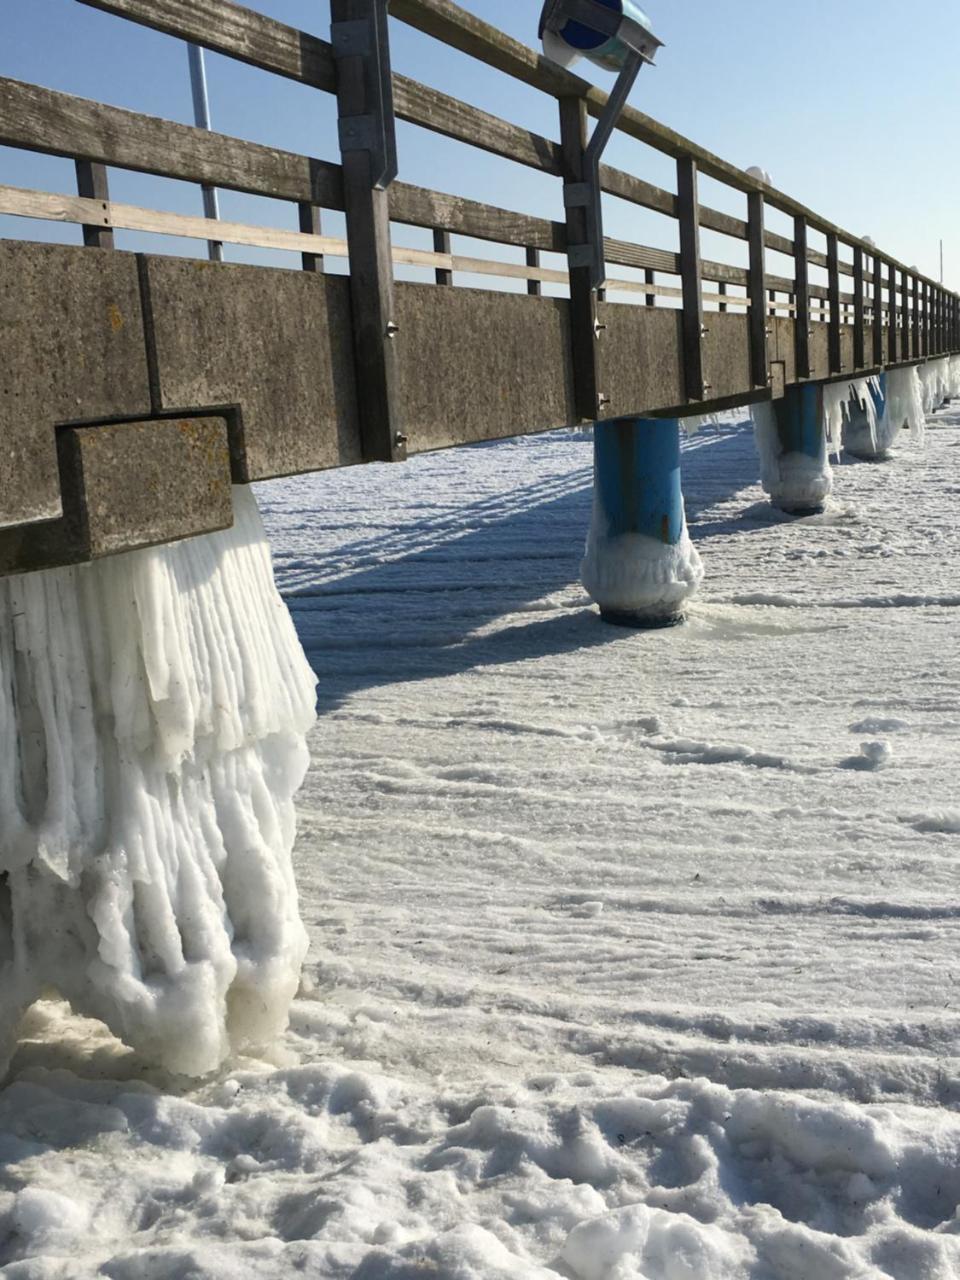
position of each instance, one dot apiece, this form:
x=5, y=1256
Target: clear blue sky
x=851, y=110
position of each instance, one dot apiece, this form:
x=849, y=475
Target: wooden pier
x=134, y=388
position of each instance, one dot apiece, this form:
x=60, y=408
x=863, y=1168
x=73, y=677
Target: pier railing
x=304, y=370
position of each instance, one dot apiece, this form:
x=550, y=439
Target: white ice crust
x=794, y=481
x=940, y=381
x=160, y=701
x=634, y=573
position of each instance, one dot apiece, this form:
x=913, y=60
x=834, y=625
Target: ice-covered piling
x=153, y=708
x=792, y=435
x=640, y=565
x=880, y=410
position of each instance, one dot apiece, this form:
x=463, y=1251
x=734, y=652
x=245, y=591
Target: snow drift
x=159, y=700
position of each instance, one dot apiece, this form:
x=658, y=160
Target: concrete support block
x=127, y=485
x=71, y=348
x=640, y=565
x=272, y=347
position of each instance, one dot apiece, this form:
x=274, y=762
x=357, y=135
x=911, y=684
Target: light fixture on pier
x=614, y=35
x=607, y=32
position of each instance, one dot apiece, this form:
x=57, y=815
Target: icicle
x=903, y=408
x=154, y=707
x=835, y=398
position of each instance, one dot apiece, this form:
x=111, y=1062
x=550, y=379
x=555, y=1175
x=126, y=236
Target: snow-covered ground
x=634, y=956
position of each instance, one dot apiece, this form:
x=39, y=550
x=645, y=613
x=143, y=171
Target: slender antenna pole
x=201, y=117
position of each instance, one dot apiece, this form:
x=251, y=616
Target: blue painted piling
x=637, y=473
x=804, y=465
x=638, y=493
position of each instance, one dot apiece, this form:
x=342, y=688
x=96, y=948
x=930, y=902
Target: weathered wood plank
x=44, y=120
x=236, y=31
x=416, y=206
x=59, y=208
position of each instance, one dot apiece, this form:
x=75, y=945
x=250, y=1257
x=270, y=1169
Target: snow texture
x=617, y=967
x=635, y=574
x=160, y=701
x=794, y=481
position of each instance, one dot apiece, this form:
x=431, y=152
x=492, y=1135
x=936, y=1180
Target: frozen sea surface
x=634, y=956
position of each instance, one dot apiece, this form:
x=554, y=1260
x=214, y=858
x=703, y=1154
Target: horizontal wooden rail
x=39, y=119
x=457, y=28
x=273, y=46
x=26, y=203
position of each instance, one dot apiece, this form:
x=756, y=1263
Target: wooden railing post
x=308, y=217
x=877, y=310
x=833, y=289
x=801, y=327
x=583, y=300
x=534, y=286
x=92, y=185
x=925, y=321
x=756, y=290
x=442, y=244
x=859, y=355
x=368, y=157
x=649, y=277
x=688, y=213
x=892, y=336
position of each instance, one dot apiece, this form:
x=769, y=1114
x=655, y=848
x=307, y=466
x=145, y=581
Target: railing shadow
x=368, y=616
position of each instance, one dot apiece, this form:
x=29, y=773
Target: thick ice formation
x=794, y=481
x=940, y=381
x=903, y=408
x=159, y=701
x=635, y=574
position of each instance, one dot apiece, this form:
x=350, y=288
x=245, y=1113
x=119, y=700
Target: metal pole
x=201, y=117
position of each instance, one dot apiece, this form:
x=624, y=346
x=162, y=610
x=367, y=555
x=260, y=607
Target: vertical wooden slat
x=309, y=221
x=877, y=310
x=688, y=213
x=756, y=289
x=833, y=289
x=917, y=342
x=534, y=287
x=649, y=277
x=893, y=313
x=92, y=185
x=773, y=298
x=801, y=328
x=859, y=356
x=722, y=290
x=925, y=320
x=583, y=299
x=441, y=244
x=371, y=263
